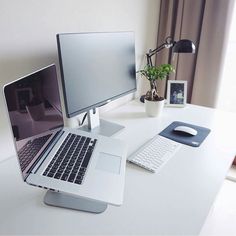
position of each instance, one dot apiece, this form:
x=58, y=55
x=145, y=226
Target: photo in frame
x=176, y=93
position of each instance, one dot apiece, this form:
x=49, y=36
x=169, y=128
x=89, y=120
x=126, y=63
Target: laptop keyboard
x=71, y=160
x=30, y=150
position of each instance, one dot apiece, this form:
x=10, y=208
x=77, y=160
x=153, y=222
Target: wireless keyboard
x=154, y=154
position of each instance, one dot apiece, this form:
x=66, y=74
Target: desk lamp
x=181, y=46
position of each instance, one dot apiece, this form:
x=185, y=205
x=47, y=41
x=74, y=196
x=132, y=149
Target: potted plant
x=154, y=103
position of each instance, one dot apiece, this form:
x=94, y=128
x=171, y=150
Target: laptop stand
x=59, y=199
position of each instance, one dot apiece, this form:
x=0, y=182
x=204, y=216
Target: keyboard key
x=50, y=174
x=79, y=177
x=71, y=177
x=78, y=181
x=64, y=177
x=57, y=176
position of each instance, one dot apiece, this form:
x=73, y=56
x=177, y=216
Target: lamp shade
x=184, y=46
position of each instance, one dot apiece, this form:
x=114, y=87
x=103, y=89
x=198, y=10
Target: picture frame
x=176, y=93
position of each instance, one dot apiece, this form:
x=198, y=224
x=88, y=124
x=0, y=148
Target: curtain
x=206, y=23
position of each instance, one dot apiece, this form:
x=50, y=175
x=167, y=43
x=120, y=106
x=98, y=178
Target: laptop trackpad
x=108, y=162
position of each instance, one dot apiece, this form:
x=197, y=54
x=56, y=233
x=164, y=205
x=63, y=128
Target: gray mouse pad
x=194, y=141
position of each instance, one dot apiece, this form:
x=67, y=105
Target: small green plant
x=154, y=73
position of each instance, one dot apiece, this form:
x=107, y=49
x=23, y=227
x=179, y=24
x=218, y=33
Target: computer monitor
x=96, y=68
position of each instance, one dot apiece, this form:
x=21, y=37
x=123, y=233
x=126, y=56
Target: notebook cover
x=194, y=141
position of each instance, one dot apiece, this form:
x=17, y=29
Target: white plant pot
x=154, y=108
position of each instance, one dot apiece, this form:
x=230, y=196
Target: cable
x=85, y=115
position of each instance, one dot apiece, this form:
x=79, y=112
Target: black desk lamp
x=181, y=46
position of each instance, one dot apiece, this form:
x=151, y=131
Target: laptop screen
x=34, y=107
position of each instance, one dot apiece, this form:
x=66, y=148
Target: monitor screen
x=95, y=68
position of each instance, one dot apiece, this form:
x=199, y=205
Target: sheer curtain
x=206, y=23
x=227, y=95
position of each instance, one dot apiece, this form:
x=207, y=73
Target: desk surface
x=175, y=201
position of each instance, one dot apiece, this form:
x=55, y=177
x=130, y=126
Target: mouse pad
x=194, y=141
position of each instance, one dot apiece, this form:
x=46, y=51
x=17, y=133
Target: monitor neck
x=100, y=126
x=93, y=118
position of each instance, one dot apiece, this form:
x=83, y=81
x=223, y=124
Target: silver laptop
x=59, y=158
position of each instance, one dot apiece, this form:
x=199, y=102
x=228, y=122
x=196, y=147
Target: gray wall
x=28, y=30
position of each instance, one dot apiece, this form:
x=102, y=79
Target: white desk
x=175, y=201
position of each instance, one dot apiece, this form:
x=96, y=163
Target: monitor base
x=98, y=126
x=63, y=200
x=106, y=128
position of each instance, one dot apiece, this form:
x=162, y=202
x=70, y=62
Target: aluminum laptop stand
x=64, y=200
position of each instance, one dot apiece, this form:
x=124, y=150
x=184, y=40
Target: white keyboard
x=154, y=154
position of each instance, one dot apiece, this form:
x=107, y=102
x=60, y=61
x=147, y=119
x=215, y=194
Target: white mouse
x=185, y=130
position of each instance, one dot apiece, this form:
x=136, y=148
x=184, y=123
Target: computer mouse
x=185, y=130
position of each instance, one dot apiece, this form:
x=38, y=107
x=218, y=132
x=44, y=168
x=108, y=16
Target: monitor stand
x=64, y=200
x=99, y=126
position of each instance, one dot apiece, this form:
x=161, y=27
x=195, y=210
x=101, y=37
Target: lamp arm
x=158, y=49
x=169, y=42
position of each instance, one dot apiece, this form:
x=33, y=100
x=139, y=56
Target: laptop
x=55, y=157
